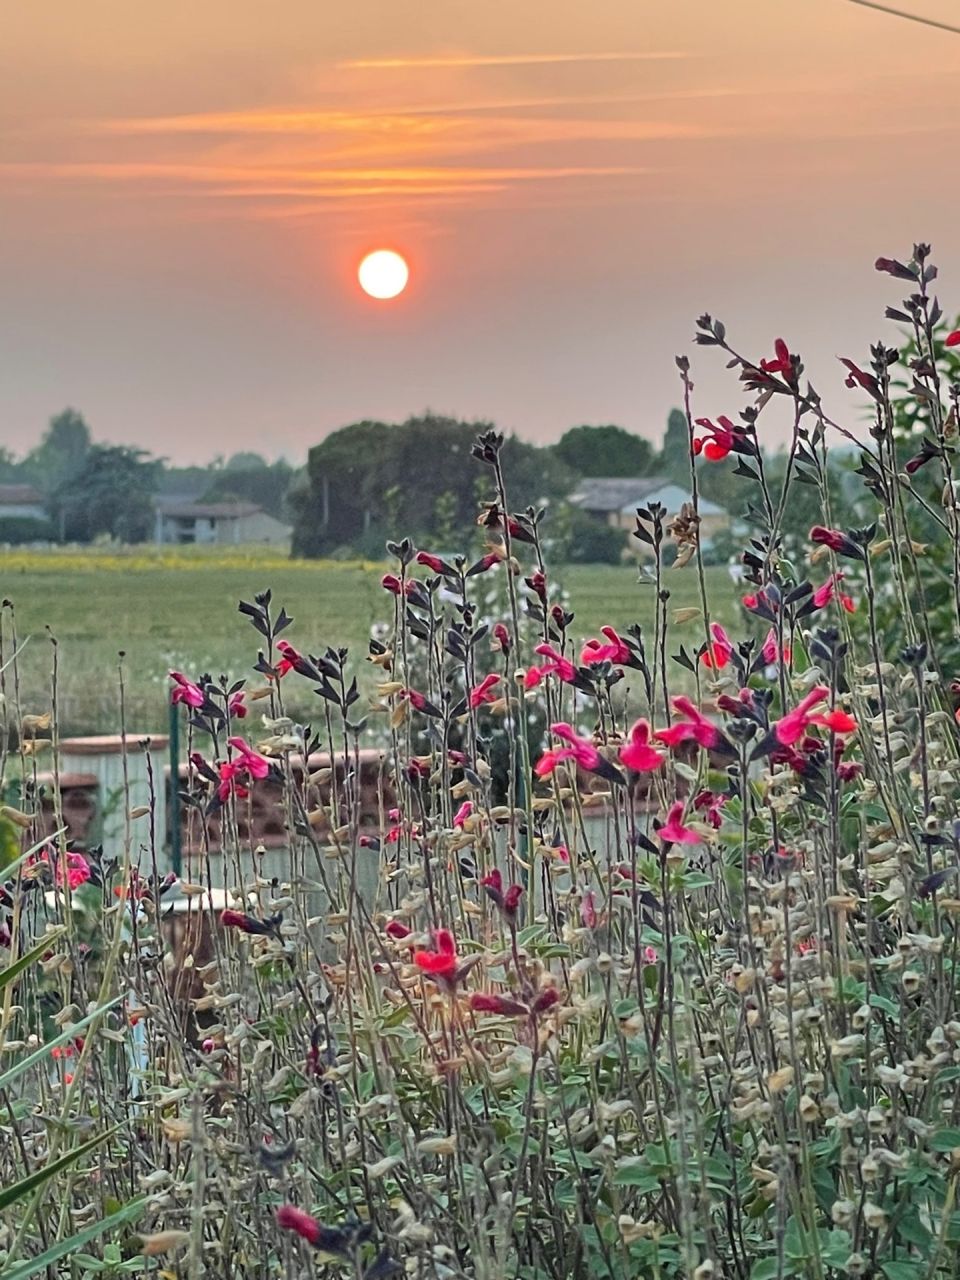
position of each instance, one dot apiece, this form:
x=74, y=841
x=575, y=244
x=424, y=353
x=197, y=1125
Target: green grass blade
x=38, y=1055
x=28, y=957
x=33, y=1266
x=39, y=1176
x=8, y=868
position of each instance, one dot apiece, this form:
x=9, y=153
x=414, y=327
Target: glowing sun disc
x=383, y=274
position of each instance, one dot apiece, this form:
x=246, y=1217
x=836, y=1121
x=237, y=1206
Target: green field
x=178, y=609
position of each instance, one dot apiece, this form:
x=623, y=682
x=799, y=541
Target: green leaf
x=902, y=1270
x=28, y=957
x=33, y=1266
x=945, y=1140
x=766, y=1269
x=697, y=880
x=40, y=1176
x=9, y=842
x=38, y=1055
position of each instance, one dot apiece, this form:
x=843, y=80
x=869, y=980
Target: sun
x=383, y=274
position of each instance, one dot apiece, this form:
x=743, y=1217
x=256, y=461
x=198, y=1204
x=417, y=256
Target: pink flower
x=463, y=813
x=256, y=765
x=538, y=585
x=588, y=910
x=719, y=652
x=483, y=692
x=709, y=803
x=185, y=691
x=638, y=754
x=556, y=665
x=830, y=591
x=501, y=637
x=650, y=955
x=237, y=707
x=614, y=650
x=696, y=727
x=771, y=649
x=290, y=1218
x=793, y=726
x=673, y=831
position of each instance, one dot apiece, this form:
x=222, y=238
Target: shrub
x=16, y=530
x=681, y=1002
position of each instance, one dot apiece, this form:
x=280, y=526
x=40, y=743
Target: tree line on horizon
x=361, y=485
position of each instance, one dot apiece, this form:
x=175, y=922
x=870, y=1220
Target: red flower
x=673, y=831
x=952, y=339
x=581, y=750
x=696, y=727
x=185, y=691
x=486, y=562
x=614, y=650
x=397, y=931
x=433, y=563
x=502, y=637
x=782, y=362
x=231, y=919
x=481, y=1002
x=771, y=649
x=556, y=665
x=292, y=1219
x=856, y=377
x=237, y=707
x=441, y=962
x=507, y=902
x=290, y=660
x=483, y=692
x=722, y=438
x=637, y=754
x=719, y=652
x=837, y=540
x=538, y=585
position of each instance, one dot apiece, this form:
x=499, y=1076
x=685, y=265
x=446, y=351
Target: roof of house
x=672, y=496
x=613, y=493
x=179, y=509
x=20, y=495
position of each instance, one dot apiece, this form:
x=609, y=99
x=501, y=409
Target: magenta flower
x=709, y=804
x=463, y=813
x=792, y=727
x=695, y=727
x=185, y=691
x=638, y=754
x=580, y=750
x=830, y=591
x=483, y=692
x=673, y=831
x=589, y=917
x=237, y=707
x=614, y=650
x=256, y=765
x=771, y=649
x=501, y=637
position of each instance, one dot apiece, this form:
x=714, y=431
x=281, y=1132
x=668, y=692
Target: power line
x=911, y=17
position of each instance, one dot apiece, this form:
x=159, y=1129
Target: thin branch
x=911, y=17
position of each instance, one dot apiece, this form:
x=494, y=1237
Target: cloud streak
x=508, y=60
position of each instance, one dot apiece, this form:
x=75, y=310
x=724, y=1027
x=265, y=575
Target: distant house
x=614, y=501
x=217, y=524
x=22, y=502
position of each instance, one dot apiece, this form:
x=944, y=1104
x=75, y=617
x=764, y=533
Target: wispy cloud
x=509, y=59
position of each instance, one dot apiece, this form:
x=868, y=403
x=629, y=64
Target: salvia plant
x=622, y=956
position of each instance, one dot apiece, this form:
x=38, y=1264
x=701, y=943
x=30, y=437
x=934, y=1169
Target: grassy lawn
x=178, y=608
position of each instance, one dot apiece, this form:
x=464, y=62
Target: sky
x=186, y=191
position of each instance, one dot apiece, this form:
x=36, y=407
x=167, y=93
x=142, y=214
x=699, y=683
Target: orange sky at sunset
x=186, y=191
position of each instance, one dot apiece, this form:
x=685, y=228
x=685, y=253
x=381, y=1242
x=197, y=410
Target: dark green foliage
x=111, y=494
x=15, y=530
x=604, y=451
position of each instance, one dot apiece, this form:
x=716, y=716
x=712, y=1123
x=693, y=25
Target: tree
x=604, y=451
x=675, y=454
x=61, y=453
x=111, y=494
x=260, y=482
